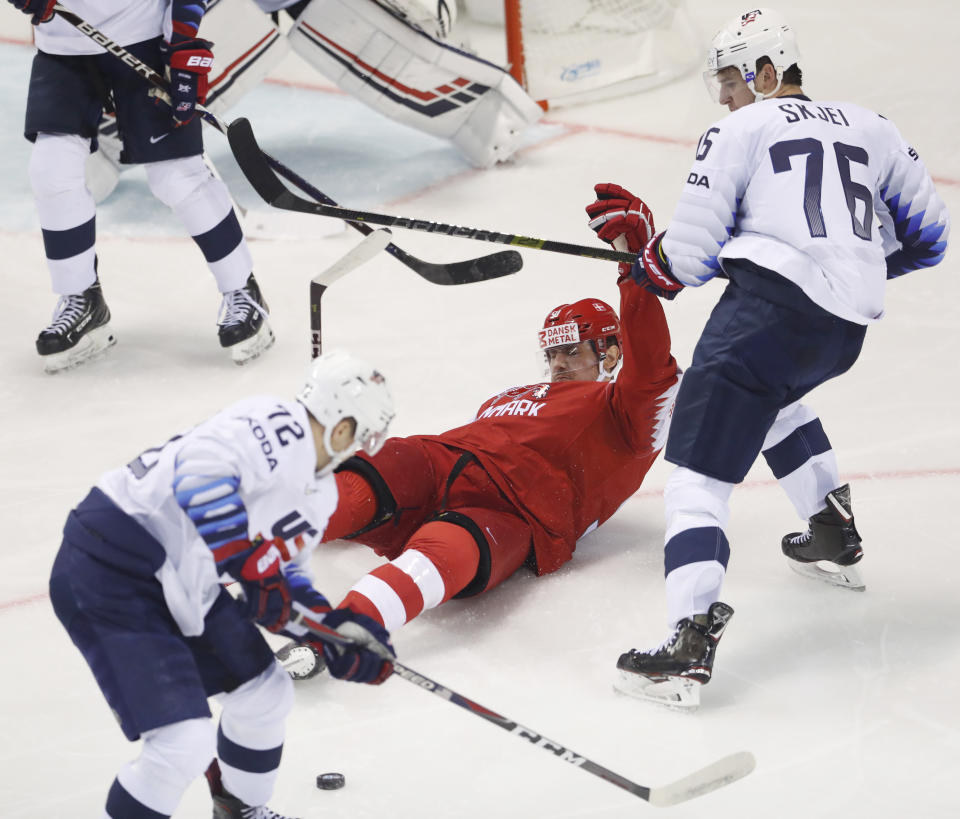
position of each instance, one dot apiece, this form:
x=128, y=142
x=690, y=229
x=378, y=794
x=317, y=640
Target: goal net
x=566, y=52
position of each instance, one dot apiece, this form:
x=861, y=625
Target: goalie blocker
x=401, y=71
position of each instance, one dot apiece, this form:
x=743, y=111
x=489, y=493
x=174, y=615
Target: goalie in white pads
x=390, y=55
x=785, y=199
x=139, y=585
x=399, y=67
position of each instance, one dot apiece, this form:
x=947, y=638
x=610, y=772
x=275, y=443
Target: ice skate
x=830, y=546
x=80, y=330
x=244, y=323
x=301, y=661
x=673, y=673
x=228, y=806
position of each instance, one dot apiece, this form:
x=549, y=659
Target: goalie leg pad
x=400, y=71
x=248, y=46
x=103, y=165
x=435, y=17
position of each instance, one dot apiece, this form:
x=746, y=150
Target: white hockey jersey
x=801, y=187
x=261, y=449
x=124, y=21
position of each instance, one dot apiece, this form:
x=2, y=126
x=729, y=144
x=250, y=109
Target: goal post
x=568, y=52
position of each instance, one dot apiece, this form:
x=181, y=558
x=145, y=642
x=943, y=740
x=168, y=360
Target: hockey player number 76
x=780, y=155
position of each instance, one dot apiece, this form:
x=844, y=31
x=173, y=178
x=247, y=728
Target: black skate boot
x=228, y=806
x=831, y=537
x=244, y=326
x=79, y=331
x=672, y=673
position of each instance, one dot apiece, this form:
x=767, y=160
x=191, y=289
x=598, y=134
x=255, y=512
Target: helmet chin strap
x=758, y=96
x=610, y=375
x=336, y=458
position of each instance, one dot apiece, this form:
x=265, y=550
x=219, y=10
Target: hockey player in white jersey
x=807, y=208
x=796, y=447
x=71, y=81
x=139, y=583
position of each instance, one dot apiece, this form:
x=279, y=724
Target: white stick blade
x=359, y=254
x=720, y=773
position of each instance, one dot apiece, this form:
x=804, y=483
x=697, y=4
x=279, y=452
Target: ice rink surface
x=849, y=701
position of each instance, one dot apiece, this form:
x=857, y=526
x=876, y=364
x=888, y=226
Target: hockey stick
x=722, y=772
x=492, y=266
x=258, y=169
x=368, y=247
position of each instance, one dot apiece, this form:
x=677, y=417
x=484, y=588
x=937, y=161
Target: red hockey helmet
x=585, y=320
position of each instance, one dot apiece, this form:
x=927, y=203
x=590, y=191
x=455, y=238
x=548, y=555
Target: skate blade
x=674, y=692
x=251, y=348
x=300, y=662
x=90, y=346
x=846, y=577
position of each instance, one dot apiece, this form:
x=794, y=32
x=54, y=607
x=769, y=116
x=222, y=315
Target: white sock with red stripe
x=438, y=561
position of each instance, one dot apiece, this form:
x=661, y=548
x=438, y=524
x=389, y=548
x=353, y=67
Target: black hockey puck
x=330, y=781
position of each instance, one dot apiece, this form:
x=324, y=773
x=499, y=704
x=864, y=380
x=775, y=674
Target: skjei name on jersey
x=773, y=180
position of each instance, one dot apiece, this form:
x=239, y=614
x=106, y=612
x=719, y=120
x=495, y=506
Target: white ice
x=848, y=701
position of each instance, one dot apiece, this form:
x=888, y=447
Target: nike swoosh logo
x=155, y=140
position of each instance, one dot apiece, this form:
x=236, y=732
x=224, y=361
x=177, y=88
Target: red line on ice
x=891, y=474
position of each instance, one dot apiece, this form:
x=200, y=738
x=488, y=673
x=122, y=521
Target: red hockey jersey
x=568, y=454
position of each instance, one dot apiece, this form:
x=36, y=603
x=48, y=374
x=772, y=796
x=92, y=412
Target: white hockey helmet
x=340, y=386
x=746, y=38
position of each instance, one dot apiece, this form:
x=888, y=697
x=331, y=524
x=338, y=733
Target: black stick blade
x=502, y=263
x=261, y=171
x=250, y=158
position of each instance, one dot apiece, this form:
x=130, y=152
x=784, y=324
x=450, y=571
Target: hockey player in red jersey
x=540, y=466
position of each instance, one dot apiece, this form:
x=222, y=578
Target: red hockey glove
x=266, y=591
x=652, y=271
x=40, y=11
x=188, y=63
x=370, y=660
x=617, y=212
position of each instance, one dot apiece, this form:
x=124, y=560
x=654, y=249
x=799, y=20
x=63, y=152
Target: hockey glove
x=188, y=63
x=370, y=660
x=266, y=592
x=652, y=271
x=40, y=10
x=302, y=659
x=617, y=212
x=305, y=600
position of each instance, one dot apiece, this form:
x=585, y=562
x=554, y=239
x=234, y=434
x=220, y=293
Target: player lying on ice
x=139, y=585
x=539, y=467
x=543, y=464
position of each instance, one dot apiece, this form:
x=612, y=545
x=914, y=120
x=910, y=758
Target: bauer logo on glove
x=188, y=63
